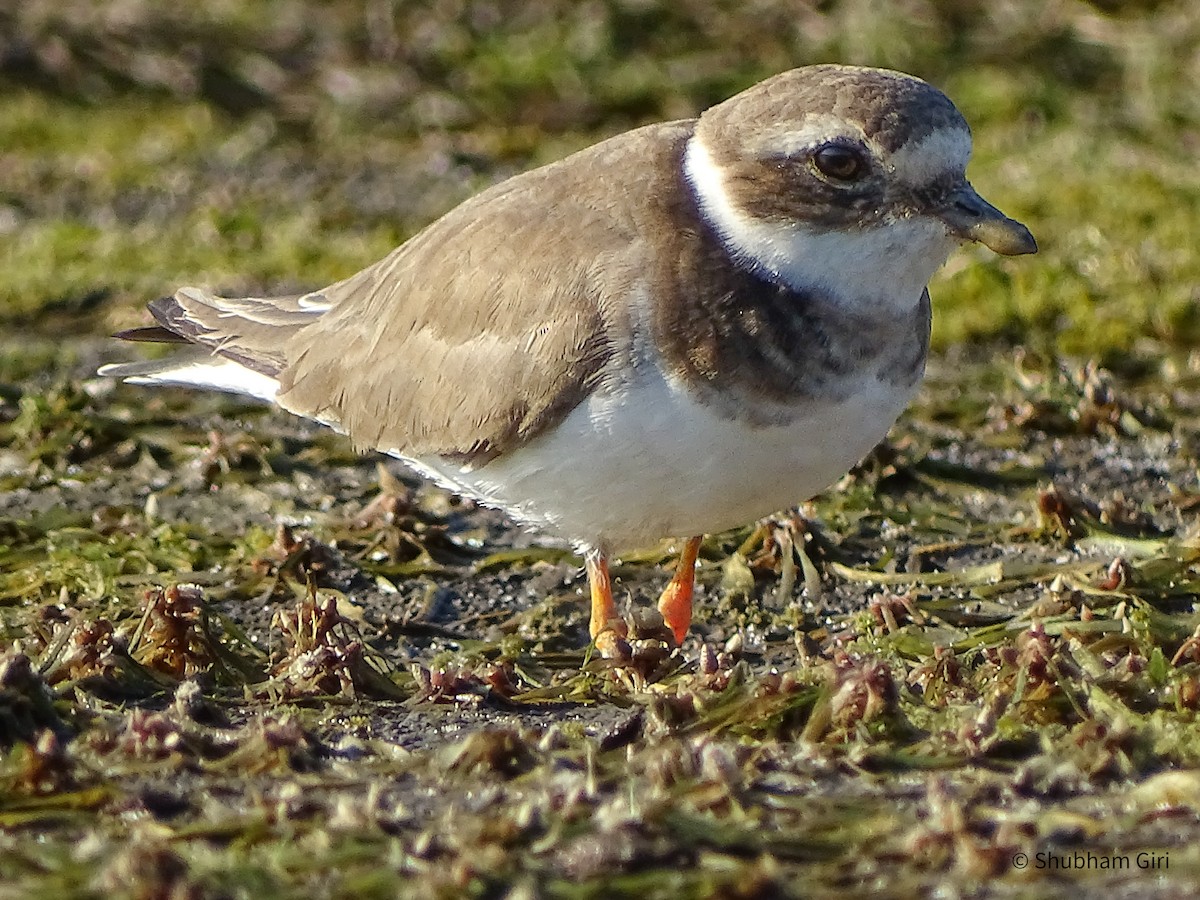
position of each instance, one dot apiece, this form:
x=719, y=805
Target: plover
x=673, y=332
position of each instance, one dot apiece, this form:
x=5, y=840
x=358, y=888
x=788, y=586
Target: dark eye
x=841, y=163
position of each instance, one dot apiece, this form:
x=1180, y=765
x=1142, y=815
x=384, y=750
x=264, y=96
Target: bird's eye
x=840, y=163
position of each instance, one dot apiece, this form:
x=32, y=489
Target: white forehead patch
x=816, y=130
x=945, y=151
x=886, y=266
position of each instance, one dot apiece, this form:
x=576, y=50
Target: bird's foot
x=612, y=641
x=675, y=603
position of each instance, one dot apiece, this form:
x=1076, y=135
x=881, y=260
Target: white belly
x=626, y=469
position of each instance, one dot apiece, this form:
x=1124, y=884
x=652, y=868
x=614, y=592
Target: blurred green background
x=280, y=144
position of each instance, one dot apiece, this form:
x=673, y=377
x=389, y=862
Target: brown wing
x=496, y=320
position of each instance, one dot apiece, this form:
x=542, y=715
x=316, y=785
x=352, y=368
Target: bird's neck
x=882, y=268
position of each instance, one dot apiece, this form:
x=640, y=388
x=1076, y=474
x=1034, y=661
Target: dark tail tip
x=151, y=334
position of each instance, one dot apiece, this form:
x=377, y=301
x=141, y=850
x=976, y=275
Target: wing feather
x=468, y=340
x=495, y=321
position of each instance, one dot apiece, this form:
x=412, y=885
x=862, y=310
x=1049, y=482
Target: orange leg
x=604, y=608
x=675, y=604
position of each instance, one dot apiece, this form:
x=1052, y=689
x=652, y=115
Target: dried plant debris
x=26, y=702
x=171, y=637
x=321, y=658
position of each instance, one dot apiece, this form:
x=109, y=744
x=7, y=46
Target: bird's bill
x=972, y=218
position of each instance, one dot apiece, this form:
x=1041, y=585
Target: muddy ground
x=395, y=695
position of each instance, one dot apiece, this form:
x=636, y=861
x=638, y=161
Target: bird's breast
x=651, y=459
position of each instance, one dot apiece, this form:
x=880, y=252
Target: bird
x=676, y=331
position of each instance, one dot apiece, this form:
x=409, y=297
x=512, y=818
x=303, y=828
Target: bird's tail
x=233, y=344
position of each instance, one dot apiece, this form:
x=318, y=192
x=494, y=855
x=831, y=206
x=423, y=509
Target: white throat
x=885, y=266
